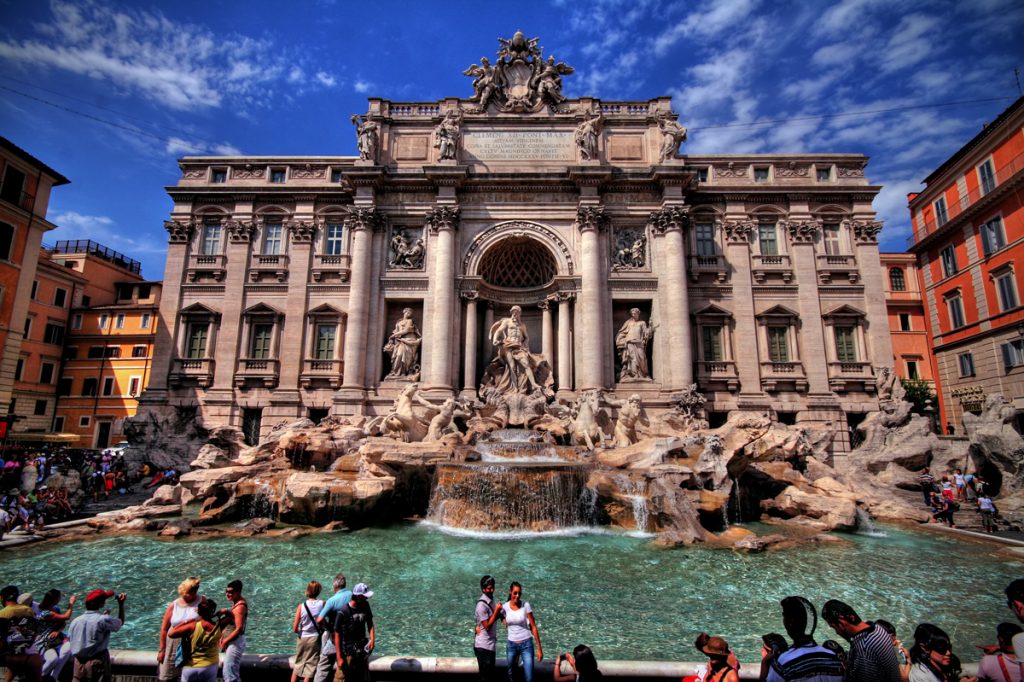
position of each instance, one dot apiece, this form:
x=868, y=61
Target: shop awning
x=24, y=437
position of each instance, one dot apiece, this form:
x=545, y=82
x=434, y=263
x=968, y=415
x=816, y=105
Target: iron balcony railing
x=88, y=246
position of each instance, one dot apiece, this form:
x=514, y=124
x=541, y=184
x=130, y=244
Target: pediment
x=262, y=309
x=778, y=311
x=844, y=310
x=712, y=310
x=325, y=309
x=199, y=310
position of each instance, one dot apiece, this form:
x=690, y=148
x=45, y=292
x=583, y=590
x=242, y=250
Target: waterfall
x=262, y=503
x=636, y=493
x=866, y=526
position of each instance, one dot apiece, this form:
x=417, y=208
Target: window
x=823, y=173
x=64, y=386
x=219, y=175
x=912, y=370
x=277, y=175
x=58, y=424
x=144, y=323
x=948, y=256
x=108, y=386
x=28, y=327
x=133, y=386
x=830, y=239
x=211, y=239
x=941, y=214
x=986, y=177
x=144, y=291
x=195, y=346
x=1013, y=353
x=325, y=334
x=19, y=367
x=112, y=352
x=35, y=291
x=6, y=240
x=712, y=344
x=993, y=237
x=70, y=352
x=138, y=351
x=332, y=245
x=966, y=364
x=767, y=239
x=955, y=306
x=846, y=348
x=1007, y=288
x=14, y=183
x=104, y=321
x=259, y=346
x=53, y=333
x=119, y=321
x=272, y=239
x=705, y=233
x=95, y=352
x=905, y=322
x=46, y=373
x=702, y=174
x=761, y=174
x=40, y=409
x=335, y=175
x=86, y=301
x=778, y=344
x=60, y=297
x=84, y=422
x=76, y=321
x=897, y=281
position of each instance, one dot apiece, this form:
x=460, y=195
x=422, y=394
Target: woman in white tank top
x=178, y=611
x=523, y=636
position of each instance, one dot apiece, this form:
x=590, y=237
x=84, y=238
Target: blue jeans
x=514, y=652
x=233, y=659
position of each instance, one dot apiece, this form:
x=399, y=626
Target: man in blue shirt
x=90, y=637
x=325, y=621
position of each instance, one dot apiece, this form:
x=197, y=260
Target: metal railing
x=88, y=246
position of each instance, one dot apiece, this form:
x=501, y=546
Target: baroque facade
x=307, y=286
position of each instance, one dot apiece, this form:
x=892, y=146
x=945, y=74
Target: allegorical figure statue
x=366, y=137
x=406, y=254
x=447, y=134
x=510, y=337
x=631, y=342
x=631, y=412
x=586, y=136
x=404, y=346
x=484, y=82
x=672, y=135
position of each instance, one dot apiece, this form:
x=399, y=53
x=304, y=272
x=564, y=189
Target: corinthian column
x=673, y=289
x=564, y=374
x=590, y=220
x=362, y=222
x=471, y=346
x=442, y=222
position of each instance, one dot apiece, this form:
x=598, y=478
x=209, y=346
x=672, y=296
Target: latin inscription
x=519, y=146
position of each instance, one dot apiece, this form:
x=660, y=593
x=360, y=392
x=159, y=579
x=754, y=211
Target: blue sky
x=271, y=77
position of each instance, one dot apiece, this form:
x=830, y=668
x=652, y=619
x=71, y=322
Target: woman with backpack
x=307, y=649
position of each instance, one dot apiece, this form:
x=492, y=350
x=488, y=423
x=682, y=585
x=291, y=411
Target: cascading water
x=866, y=525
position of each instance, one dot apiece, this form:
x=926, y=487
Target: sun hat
x=716, y=646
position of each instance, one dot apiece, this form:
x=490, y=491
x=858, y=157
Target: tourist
x=901, y=652
x=927, y=481
x=988, y=513
x=90, y=637
x=932, y=656
x=999, y=662
x=17, y=661
x=52, y=642
x=961, y=485
x=522, y=633
x=233, y=641
x=181, y=610
x=872, y=657
x=307, y=649
x=354, y=636
x=722, y=665
x=701, y=672
x=950, y=429
x=1015, y=600
x=201, y=656
x=325, y=666
x=584, y=666
x=485, y=642
x=805, y=659
x=944, y=511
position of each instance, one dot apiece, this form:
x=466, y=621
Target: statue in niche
x=586, y=136
x=366, y=137
x=447, y=134
x=631, y=412
x=630, y=250
x=631, y=342
x=510, y=337
x=404, y=346
x=672, y=135
x=406, y=253
x=402, y=422
x=484, y=82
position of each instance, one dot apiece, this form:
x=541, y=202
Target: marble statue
x=404, y=346
x=672, y=135
x=447, y=135
x=484, y=82
x=689, y=406
x=443, y=422
x=888, y=385
x=366, y=137
x=520, y=80
x=630, y=250
x=631, y=342
x=547, y=83
x=406, y=253
x=586, y=136
x=402, y=422
x=631, y=412
x=510, y=337
x=585, y=426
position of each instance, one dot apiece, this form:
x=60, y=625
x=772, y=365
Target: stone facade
x=758, y=277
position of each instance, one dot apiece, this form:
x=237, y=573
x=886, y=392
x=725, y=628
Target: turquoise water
x=617, y=593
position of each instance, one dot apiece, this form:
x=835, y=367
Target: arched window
x=897, y=282
x=6, y=241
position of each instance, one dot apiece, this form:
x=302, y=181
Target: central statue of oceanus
x=516, y=379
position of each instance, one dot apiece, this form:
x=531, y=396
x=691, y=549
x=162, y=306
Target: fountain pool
x=617, y=593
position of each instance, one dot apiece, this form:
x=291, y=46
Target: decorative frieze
x=308, y=172
x=247, y=172
x=442, y=218
x=179, y=232
x=407, y=250
x=669, y=219
x=591, y=218
x=193, y=173
x=629, y=252
x=731, y=170
x=791, y=170
x=850, y=171
x=240, y=231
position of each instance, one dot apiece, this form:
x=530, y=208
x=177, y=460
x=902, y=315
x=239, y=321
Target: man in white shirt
x=90, y=637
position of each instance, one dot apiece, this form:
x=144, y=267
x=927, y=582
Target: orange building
x=968, y=237
x=907, y=321
x=25, y=184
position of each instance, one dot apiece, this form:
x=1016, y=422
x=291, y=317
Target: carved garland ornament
x=866, y=231
x=442, y=218
x=591, y=218
x=179, y=232
x=308, y=171
x=669, y=219
x=302, y=231
x=247, y=172
x=791, y=170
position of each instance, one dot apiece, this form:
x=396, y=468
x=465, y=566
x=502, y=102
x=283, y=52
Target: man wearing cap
x=90, y=637
x=872, y=656
x=341, y=596
x=354, y=637
x=805, y=659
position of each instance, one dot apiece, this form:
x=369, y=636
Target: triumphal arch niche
x=516, y=244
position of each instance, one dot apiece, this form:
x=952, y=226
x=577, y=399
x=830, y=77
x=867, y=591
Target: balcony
x=198, y=371
x=274, y=266
x=709, y=265
x=262, y=371
x=1007, y=176
x=849, y=376
x=831, y=266
x=327, y=268
x=777, y=376
x=718, y=374
x=321, y=372
x=771, y=267
x=203, y=266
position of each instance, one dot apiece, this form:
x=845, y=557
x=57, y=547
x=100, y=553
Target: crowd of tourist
x=337, y=635
x=946, y=496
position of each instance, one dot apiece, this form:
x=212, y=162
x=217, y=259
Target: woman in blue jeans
x=522, y=633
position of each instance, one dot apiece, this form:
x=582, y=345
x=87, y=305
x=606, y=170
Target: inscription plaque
x=519, y=146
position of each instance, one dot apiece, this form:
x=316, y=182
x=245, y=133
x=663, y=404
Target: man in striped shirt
x=872, y=655
x=805, y=660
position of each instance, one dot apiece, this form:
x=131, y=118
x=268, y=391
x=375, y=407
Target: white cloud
x=178, y=146
x=78, y=221
x=75, y=225
x=891, y=207
x=326, y=79
x=362, y=86
x=912, y=42
x=719, y=17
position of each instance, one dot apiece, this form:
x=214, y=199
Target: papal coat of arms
x=520, y=80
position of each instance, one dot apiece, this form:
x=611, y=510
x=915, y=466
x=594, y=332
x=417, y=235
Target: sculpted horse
x=586, y=424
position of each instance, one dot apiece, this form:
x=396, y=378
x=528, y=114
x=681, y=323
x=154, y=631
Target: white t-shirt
x=307, y=626
x=517, y=622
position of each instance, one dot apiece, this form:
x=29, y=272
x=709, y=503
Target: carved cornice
x=308, y=171
x=856, y=171
x=791, y=170
x=739, y=231
x=302, y=231
x=247, y=172
x=866, y=231
x=179, y=232
x=669, y=219
x=240, y=231
x=442, y=218
x=364, y=219
x=802, y=231
x=591, y=218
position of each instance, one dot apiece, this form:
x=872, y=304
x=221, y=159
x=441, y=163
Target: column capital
x=739, y=231
x=544, y=305
x=470, y=296
x=669, y=219
x=866, y=231
x=302, y=231
x=564, y=296
x=442, y=218
x=591, y=219
x=802, y=231
x=179, y=232
x=240, y=231
x=368, y=218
